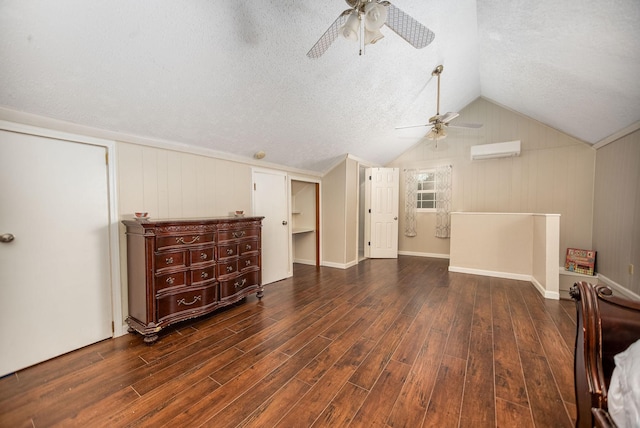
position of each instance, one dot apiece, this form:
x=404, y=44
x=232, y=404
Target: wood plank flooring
x=387, y=343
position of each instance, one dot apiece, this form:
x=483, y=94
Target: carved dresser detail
x=181, y=269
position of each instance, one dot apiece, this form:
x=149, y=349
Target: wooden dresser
x=181, y=269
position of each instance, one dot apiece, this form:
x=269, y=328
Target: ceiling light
x=370, y=37
x=351, y=27
x=375, y=15
x=436, y=133
x=259, y=155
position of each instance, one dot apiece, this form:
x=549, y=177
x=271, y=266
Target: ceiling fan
x=375, y=14
x=439, y=123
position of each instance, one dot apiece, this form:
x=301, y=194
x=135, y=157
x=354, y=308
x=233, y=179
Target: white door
x=270, y=200
x=55, y=286
x=382, y=189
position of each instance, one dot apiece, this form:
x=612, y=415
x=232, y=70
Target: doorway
x=305, y=222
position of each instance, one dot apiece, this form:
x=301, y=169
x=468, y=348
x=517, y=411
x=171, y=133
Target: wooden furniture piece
x=607, y=325
x=181, y=269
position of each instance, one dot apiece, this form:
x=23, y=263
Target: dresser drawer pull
x=239, y=234
x=169, y=260
x=241, y=283
x=203, y=256
x=247, y=263
x=229, y=268
x=229, y=251
x=204, y=275
x=181, y=240
x=247, y=247
x=183, y=301
x=171, y=280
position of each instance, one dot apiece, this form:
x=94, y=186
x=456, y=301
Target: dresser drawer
x=248, y=263
x=174, y=259
x=172, y=279
x=191, y=300
x=199, y=276
x=226, y=251
x=239, y=233
x=233, y=286
x=226, y=268
x=246, y=247
x=172, y=241
x=201, y=255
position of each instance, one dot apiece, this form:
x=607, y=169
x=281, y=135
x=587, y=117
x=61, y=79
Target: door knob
x=7, y=237
x=284, y=222
x=395, y=218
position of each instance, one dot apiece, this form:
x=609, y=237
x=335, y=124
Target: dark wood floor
x=389, y=343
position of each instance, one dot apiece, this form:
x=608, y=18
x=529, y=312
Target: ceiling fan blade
x=408, y=28
x=449, y=116
x=329, y=36
x=466, y=125
x=413, y=126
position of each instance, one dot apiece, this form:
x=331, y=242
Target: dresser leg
x=150, y=339
x=260, y=293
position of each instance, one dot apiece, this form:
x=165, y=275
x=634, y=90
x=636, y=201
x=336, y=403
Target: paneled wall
x=554, y=174
x=170, y=184
x=616, y=231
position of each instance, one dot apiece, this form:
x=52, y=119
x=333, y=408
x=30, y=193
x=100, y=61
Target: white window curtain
x=443, y=198
x=410, y=201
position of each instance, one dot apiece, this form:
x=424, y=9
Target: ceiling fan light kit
x=436, y=134
x=375, y=14
x=351, y=27
x=439, y=123
x=370, y=37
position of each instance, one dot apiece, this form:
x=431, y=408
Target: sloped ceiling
x=232, y=76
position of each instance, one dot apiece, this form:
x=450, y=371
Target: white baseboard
x=495, y=274
x=551, y=295
x=416, y=254
x=123, y=330
x=509, y=275
x=339, y=265
x=305, y=262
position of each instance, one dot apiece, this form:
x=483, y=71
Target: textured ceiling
x=233, y=76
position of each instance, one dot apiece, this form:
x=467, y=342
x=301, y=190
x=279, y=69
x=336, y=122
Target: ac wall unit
x=496, y=150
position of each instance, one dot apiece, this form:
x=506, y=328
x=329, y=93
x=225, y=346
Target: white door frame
x=318, y=211
x=119, y=328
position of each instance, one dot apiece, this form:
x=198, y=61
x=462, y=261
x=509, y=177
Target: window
x=426, y=195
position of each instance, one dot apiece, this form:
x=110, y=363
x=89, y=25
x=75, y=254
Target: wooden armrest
x=607, y=325
x=602, y=419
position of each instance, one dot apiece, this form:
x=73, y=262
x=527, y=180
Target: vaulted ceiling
x=232, y=76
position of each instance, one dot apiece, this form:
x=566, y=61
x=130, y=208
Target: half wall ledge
x=521, y=246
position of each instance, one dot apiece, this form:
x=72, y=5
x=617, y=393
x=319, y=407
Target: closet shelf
x=302, y=230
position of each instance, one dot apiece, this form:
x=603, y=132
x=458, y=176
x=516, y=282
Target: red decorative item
x=580, y=261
